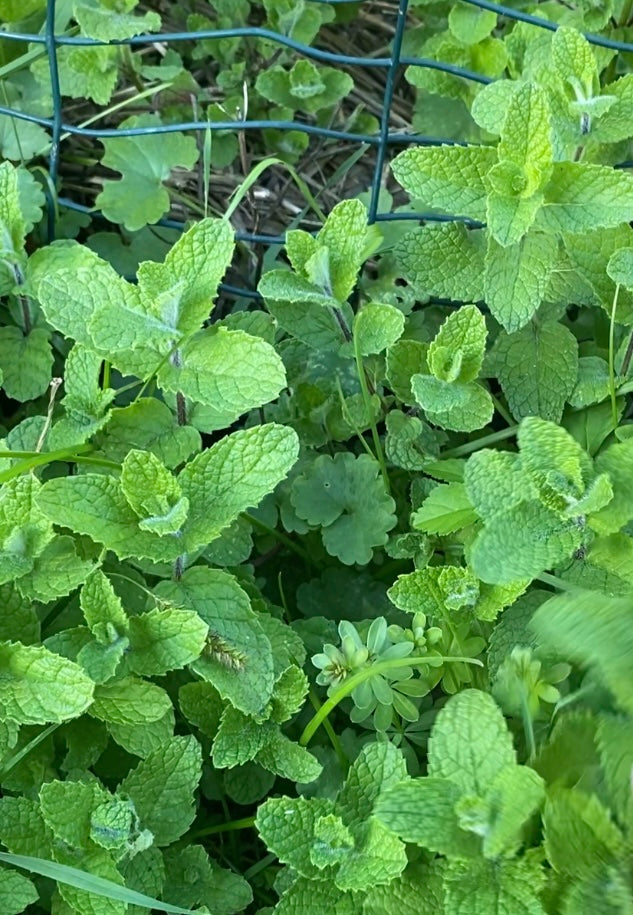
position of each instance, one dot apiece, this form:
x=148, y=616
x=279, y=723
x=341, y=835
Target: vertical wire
x=56, y=126
x=390, y=86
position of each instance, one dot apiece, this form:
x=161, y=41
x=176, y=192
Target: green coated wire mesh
x=381, y=142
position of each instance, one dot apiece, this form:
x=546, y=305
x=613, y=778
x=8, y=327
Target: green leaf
x=579, y=833
x=594, y=631
x=438, y=592
x=494, y=482
x=286, y=825
x=422, y=811
x=470, y=742
x=516, y=278
x=581, y=197
x=40, y=687
x=192, y=878
x=67, y=809
x=452, y=404
x=377, y=327
x=237, y=659
x=144, y=162
x=305, y=87
x=450, y=178
x=515, y=794
x=445, y=510
x=233, y=475
x=403, y=360
x=457, y=351
x=25, y=362
x=617, y=462
x=509, y=887
x=574, y=61
x=522, y=542
x=228, y=371
x=444, y=260
x=102, y=608
x=615, y=743
x=162, y=788
x=89, y=883
x=11, y=219
x=345, y=495
x=153, y=493
x=149, y=425
x=537, y=369
x=180, y=290
x=107, y=23
x=345, y=235
x=16, y=892
x=130, y=701
x=164, y=640
x=470, y=25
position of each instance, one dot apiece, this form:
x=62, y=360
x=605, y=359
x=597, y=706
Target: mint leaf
x=457, y=351
x=581, y=197
x=450, y=178
x=237, y=658
x=25, y=362
x=594, y=631
x=470, y=743
x=16, y=892
x=445, y=260
x=453, y=405
x=377, y=327
x=233, y=475
x=130, y=701
x=516, y=278
x=164, y=640
x=106, y=23
x=41, y=687
x=162, y=788
x=537, y=368
x=445, y=510
x=496, y=888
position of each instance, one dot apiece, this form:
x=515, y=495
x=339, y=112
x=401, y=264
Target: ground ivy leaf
x=16, y=892
x=228, y=371
x=345, y=495
x=581, y=197
x=376, y=327
x=164, y=640
x=130, y=701
x=444, y=260
x=450, y=178
x=446, y=509
x=522, y=542
x=470, y=742
x=537, y=369
x=516, y=277
x=238, y=657
x=40, y=687
x=233, y=475
x=162, y=788
x=144, y=162
x=422, y=811
x=26, y=361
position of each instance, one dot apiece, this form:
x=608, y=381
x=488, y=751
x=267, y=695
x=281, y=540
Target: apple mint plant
x=321, y=601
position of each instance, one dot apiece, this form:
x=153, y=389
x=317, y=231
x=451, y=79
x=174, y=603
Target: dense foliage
x=322, y=601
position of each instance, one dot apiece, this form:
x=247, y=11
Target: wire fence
x=382, y=142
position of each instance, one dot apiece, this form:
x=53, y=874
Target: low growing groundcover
x=322, y=602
